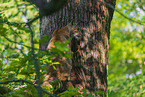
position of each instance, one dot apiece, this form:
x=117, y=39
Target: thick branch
x=48, y=7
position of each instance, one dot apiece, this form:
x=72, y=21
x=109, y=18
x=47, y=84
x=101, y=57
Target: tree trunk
x=90, y=55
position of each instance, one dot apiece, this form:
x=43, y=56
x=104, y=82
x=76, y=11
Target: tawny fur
x=63, y=71
x=60, y=35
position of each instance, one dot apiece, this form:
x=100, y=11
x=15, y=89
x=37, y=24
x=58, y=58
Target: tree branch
x=48, y=7
x=21, y=44
x=112, y=7
x=37, y=69
x=17, y=42
x=54, y=5
x=34, y=19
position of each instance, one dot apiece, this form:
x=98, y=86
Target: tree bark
x=90, y=50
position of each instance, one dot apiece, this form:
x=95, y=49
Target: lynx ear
x=55, y=32
x=71, y=26
x=60, y=35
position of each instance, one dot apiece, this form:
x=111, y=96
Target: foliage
x=15, y=57
x=16, y=54
x=83, y=93
x=127, y=51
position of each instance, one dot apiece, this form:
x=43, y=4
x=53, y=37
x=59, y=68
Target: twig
x=20, y=68
x=21, y=44
x=31, y=21
x=19, y=7
x=11, y=23
x=17, y=80
x=17, y=42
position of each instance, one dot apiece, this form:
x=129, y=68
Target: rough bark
x=90, y=50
